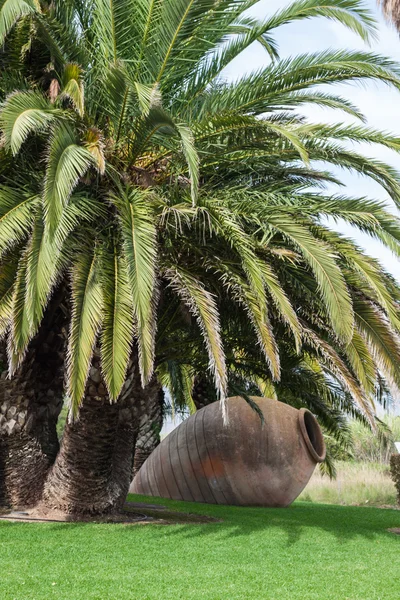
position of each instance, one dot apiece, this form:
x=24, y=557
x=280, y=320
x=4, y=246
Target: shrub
x=375, y=446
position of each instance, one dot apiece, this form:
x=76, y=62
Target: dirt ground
x=133, y=513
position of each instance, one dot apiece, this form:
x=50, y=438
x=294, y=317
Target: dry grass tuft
x=356, y=484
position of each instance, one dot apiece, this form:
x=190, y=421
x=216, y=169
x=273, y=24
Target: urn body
x=247, y=461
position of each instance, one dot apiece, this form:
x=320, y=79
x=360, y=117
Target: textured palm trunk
x=151, y=416
x=93, y=469
x=203, y=392
x=30, y=404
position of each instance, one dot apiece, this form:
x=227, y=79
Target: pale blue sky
x=380, y=104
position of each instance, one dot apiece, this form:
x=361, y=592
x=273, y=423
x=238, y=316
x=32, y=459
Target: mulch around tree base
x=149, y=513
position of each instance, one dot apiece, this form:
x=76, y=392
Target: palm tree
x=30, y=403
x=391, y=10
x=158, y=182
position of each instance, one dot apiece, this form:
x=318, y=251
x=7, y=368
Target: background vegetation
x=356, y=483
x=362, y=472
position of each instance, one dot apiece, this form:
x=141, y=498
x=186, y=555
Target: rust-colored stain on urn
x=245, y=462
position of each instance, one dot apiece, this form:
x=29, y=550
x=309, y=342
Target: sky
x=379, y=103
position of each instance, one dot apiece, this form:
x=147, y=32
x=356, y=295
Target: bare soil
x=133, y=514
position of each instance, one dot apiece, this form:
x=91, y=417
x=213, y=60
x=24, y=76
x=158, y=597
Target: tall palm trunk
x=150, y=423
x=30, y=404
x=93, y=469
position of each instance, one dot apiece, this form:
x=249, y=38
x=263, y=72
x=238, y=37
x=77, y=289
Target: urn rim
x=312, y=435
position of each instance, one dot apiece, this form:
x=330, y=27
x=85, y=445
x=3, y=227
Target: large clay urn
x=244, y=462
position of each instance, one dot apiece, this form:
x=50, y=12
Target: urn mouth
x=312, y=435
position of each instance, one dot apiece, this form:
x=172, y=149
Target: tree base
x=134, y=512
x=43, y=514
x=23, y=470
x=92, y=471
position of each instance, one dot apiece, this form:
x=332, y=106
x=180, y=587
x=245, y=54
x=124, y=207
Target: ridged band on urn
x=245, y=462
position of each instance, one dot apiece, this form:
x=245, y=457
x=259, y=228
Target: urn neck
x=312, y=435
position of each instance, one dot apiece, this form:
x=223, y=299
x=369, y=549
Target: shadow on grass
x=343, y=522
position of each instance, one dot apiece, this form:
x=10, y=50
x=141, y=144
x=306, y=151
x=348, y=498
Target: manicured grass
x=309, y=551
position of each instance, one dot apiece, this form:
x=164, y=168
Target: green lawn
x=309, y=551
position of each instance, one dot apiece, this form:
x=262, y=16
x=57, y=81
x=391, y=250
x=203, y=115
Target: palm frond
x=362, y=362
x=17, y=212
x=117, y=330
x=202, y=305
x=20, y=327
x=72, y=87
x=177, y=379
x=157, y=120
x=353, y=15
x=13, y=10
x=67, y=162
x=87, y=311
x=383, y=341
x=340, y=370
x=331, y=282
x=140, y=251
x=24, y=113
x=7, y=280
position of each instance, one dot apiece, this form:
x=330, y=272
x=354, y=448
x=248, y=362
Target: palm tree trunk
x=30, y=404
x=150, y=423
x=203, y=392
x=93, y=469
x=3, y=490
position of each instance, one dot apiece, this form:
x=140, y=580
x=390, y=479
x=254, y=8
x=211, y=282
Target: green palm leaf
x=256, y=309
x=350, y=14
x=331, y=283
x=178, y=380
x=366, y=273
x=13, y=10
x=20, y=326
x=282, y=302
x=157, y=120
x=42, y=264
x=262, y=325
x=87, y=311
x=114, y=29
x=340, y=370
x=259, y=275
x=140, y=251
x=66, y=164
x=257, y=92
x=353, y=15
x=118, y=95
x=8, y=273
x=17, y=212
x=362, y=363
x=202, y=305
x=72, y=87
x=24, y=113
x=383, y=341
x=117, y=331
